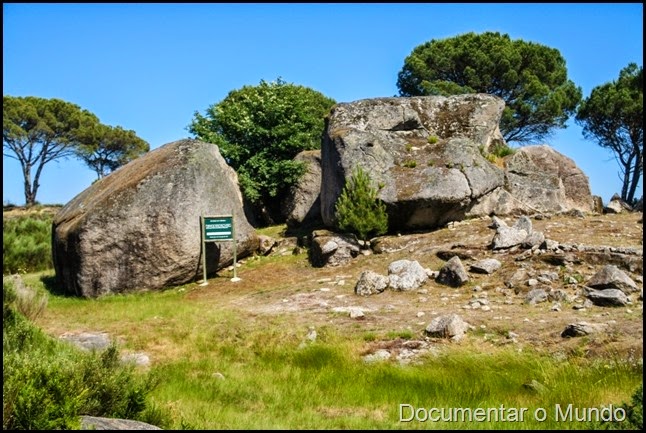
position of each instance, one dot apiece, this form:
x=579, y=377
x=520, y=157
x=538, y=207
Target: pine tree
x=358, y=210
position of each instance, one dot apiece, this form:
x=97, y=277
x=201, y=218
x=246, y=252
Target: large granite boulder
x=302, y=205
x=139, y=227
x=425, y=154
x=427, y=157
x=537, y=179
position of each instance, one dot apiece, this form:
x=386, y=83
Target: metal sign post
x=215, y=229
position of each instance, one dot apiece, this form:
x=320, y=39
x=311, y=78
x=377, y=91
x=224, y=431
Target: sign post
x=216, y=229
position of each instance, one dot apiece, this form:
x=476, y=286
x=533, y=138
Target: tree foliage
x=260, y=129
x=613, y=116
x=358, y=209
x=36, y=131
x=529, y=77
x=105, y=148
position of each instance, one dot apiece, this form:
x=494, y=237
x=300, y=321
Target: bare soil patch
x=317, y=297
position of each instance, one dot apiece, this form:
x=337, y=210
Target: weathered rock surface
x=453, y=273
x=543, y=180
x=102, y=423
x=486, y=266
x=370, y=283
x=302, y=206
x=423, y=151
x=581, y=329
x=404, y=275
x=611, y=277
x=332, y=249
x=449, y=326
x=606, y=297
x=139, y=228
x=426, y=156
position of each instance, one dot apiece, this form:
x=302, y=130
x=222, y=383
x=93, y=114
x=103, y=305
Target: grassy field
x=243, y=355
x=225, y=369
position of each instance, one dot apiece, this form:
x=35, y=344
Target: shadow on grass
x=52, y=286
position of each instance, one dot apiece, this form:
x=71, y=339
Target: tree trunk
x=634, y=180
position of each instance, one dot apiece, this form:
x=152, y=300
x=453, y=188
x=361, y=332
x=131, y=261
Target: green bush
x=502, y=150
x=27, y=244
x=48, y=384
x=359, y=210
x=634, y=414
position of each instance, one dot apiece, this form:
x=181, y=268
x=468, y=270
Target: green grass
x=224, y=369
x=47, y=384
x=26, y=243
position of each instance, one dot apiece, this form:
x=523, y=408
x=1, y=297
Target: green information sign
x=218, y=228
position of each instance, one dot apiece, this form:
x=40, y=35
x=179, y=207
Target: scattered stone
x=536, y=296
x=486, y=266
x=535, y=386
x=332, y=249
x=607, y=297
x=139, y=359
x=101, y=423
x=453, y=273
x=356, y=313
x=87, y=340
x=405, y=275
x=449, y=326
x=581, y=328
x=611, y=277
x=507, y=237
x=379, y=355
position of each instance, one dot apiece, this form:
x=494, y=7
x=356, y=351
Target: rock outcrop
x=302, y=206
x=427, y=157
x=139, y=227
x=423, y=152
x=538, y=179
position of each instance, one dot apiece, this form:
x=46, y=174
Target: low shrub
x=27, y=244
x=48, y=384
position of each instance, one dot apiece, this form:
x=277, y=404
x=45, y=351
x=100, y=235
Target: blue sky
x=149, y=67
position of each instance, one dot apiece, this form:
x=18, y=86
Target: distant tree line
x=259, y=129
x=36, y=131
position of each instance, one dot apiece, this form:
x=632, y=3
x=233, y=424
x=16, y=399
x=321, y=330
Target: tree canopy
x=613, y=116
x=530, y=78
x=105, y=148
x=36, y=131
x=259, y=130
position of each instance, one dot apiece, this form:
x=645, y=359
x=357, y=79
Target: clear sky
x=150, y=67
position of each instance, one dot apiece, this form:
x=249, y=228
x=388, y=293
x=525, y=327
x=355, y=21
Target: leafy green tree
x=613, y=116
x=530, y=78
x=358, y=209
x=36, y=131
x=105, y=148
x=259, y=130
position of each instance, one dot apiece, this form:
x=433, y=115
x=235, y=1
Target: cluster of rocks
x=608, y=287
x=139, y=228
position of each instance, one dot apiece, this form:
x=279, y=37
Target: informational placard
x=218, y=228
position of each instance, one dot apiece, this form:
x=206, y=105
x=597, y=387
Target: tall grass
x=48, y=384
x=27, y=243
x=325, y=385
x=227, y=369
